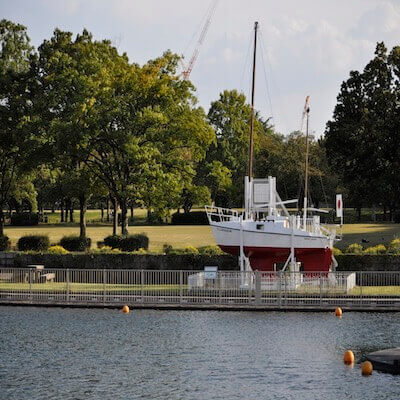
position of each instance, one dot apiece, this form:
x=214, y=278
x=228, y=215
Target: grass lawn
x=373, y=233
x=178, y=236
x=181, y=236
x=99, y=287
x=84, y=287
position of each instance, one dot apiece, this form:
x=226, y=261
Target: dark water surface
x=54, y=353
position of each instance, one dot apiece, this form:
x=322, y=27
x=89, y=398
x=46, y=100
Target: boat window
x=260, y=227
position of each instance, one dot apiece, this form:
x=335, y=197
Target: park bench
x=49, y=277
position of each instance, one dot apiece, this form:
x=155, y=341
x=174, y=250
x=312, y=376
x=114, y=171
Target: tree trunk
x=359, y=214
x=67, y=208
x=124, y=218
x=132, y=211
x=102, y=211
x=115, y=216
x=62, y=211
x=1, y=220
x=384, y=212
x=108, y=210
x=53, y=208
x=82, y=216
x=71, y=213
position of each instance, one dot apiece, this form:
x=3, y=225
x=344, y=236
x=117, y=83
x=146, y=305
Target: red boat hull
x=264, y=258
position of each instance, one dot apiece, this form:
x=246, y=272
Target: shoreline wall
x=189, y=262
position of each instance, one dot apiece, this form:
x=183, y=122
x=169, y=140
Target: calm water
x=103, y=354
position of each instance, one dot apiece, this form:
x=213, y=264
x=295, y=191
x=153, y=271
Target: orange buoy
x=338, y=312
x=348, y=357
x=366, y=368
x=125, y=309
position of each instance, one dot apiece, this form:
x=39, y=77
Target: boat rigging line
x=251, y=139
x=263, y=50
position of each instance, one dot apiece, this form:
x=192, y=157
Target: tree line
x=82, y=124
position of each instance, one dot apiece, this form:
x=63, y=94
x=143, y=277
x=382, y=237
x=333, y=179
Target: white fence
x=224, y=289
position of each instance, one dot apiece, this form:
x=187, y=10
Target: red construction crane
x=188, y=69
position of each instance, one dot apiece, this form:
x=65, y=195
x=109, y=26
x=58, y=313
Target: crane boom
x=188, y=69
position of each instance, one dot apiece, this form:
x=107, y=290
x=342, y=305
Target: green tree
x=71, y=72
x=17, y=140
x=136, y=128
x=362, y=138
x=230, y=117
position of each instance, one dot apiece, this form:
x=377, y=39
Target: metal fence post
x=258, y=287
x=67, y=282
x=279, y=287
x=250, y=286
x=361, y=286
x=104, y=285
x=142, y=285
x=180, y=286
x=320, y=289
x=30, y=284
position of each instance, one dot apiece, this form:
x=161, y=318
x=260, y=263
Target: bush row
x=355, y=248
x=33, y=242
x=112, y=244
x=192, y=218
x=24, y=219
x=76, y=243
x=128, y=242
x=5, y=243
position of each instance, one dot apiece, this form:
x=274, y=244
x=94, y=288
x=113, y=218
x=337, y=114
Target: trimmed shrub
x=57, y=250
x=354, y=248
x=394, y=246
x=134, y=242
x=5, y=243
x=127, y=243
x=24, y=219
x=112, y=241
x=75, y=243
x=33, y=242
x=167, y=248
x=378, y=249
x=336, y=251
x=186, y=250
x=192, y=218
x=105, y=250
x=140, y=251
x=210, y=251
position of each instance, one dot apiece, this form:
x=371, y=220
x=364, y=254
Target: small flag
x=339, y=206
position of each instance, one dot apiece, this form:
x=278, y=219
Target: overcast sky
x=307, y=47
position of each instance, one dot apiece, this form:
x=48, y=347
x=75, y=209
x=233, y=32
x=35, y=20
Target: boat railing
x=314, y=226
x=220, y=214
x=333, y=231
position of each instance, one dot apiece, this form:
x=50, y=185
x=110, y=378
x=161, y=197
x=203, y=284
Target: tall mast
x=306, y=113
x=250, y=168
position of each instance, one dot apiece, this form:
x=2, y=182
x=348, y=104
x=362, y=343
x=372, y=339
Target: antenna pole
x=250, y=168
x=307, y=114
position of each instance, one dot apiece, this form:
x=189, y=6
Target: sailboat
x=265, y=236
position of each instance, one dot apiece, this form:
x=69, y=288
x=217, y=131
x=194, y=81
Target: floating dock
x=386, y=360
